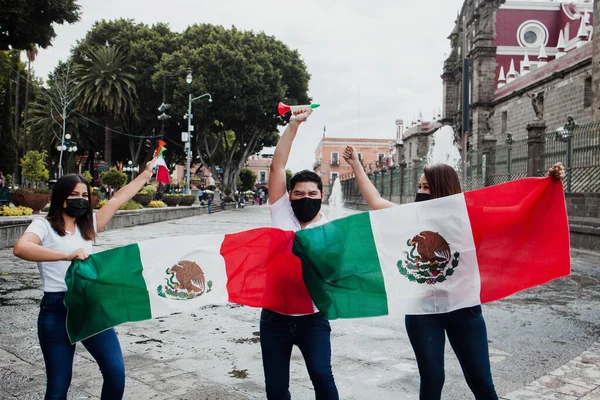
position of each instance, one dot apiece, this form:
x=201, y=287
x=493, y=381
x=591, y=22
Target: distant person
x=209, y=202
x=241, y=202
x=67, y=234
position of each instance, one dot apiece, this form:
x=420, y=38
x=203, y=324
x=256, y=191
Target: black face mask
x=306, y=209
x=422, y=197
x=76, y=207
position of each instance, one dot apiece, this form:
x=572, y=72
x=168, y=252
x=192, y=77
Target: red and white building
x=530, y=33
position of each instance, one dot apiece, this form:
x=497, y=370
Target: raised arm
x=277, y=182
x=366, y=187
x=123, y=195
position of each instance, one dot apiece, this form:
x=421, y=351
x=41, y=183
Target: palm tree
x=106, y=85
x=31, y=55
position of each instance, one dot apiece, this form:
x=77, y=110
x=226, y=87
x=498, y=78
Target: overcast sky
x=371, y=61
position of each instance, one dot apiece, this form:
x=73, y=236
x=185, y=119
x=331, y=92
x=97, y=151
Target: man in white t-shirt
x=298, y=209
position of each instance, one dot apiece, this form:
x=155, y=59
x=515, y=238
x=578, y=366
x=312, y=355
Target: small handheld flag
x=162, y=174
x=284, y=108
x=160, y=149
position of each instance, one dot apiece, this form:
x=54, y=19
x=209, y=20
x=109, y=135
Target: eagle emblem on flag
x=185, y=281
x=429, y=259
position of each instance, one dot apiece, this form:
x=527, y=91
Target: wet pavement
x=543, y=342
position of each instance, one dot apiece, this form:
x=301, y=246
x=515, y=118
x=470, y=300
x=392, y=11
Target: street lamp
x=187, y=136
x=68, y=146
x=130, y=168
x=164, y=106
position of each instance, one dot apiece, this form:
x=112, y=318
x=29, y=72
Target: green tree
x=113, y=178
x=11, y=103
x=145, y=46
x=106, y=84
x=247, y=179
x=53, y=110
x=34, y=166
x=31, y=55
x=25, y=23
x=247, y=74
x=288, y=179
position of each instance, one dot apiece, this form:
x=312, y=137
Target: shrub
x=15, y=211
x=34, y=191
x=101, y=204
x=96, y=192
x=148, y=190
x=131, y=205
x=113, y=178
x=227, y=191
x=88, y=176
x=34, y=166
x=156, y=204
x=8, y=180
x=227, y=199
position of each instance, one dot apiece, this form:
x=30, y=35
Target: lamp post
x=187, y=136
x=130, y=168
x=68, y=146
x=164, y=106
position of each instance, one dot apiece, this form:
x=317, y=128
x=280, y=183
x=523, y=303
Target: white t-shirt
x=52, y=273
x=283, y=217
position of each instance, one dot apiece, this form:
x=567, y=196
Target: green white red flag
x=420, y=258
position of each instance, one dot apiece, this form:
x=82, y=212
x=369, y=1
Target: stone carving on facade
x=537, y=101
x=487, y=116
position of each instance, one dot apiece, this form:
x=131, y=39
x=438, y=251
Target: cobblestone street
x=543, y=342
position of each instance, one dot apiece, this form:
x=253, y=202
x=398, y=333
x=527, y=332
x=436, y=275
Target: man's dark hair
x=306, y=176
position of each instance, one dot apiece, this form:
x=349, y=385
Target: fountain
x=443, y=149
x=336, y=200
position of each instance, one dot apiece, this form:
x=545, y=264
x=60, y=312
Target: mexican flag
x=439, y=255
x=162, y=173
x=161, y=276
x=428, y=257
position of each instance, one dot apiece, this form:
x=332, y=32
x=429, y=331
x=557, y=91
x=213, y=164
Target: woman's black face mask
x=422, y=197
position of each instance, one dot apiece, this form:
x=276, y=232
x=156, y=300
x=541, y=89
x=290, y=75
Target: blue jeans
x=311, y=333
x=468, y=337
x=58, y=352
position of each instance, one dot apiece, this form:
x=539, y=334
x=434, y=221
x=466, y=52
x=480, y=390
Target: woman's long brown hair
x=62, y=189
x=442, y=180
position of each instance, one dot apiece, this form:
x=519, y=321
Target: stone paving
x=543, y=342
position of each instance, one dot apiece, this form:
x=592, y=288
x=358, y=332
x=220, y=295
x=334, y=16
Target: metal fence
x=576, y=146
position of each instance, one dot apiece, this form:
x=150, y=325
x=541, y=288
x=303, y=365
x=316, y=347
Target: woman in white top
x=67, y=234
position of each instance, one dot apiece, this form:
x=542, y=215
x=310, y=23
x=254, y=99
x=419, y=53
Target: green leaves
x=34, y=166
x=26, y=22
x=106, y=81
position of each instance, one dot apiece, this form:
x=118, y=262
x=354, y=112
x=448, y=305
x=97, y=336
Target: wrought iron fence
x=576, y=146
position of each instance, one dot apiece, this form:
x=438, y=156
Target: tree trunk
x=107, y=146
x=17, y=177
x=26, y=107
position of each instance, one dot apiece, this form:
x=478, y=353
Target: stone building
x=530, y=60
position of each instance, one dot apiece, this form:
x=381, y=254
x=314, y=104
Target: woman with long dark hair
x=66, y=234
x=465, y=327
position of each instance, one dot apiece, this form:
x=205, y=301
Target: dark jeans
x=468, y=337
x=278, y=334
x=58, y=352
